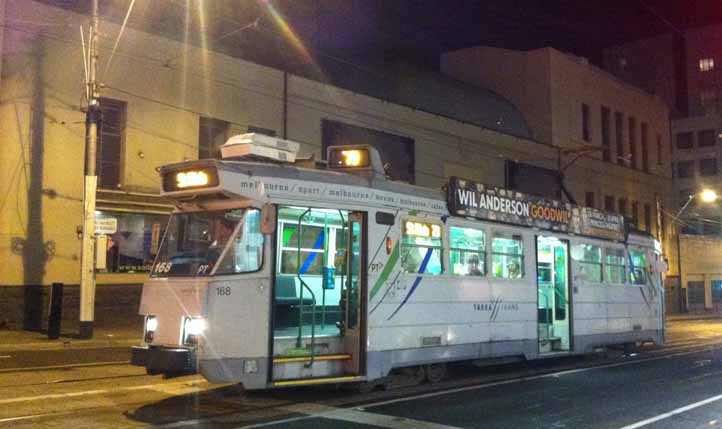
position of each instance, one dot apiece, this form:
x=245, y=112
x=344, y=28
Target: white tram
x=280, y=272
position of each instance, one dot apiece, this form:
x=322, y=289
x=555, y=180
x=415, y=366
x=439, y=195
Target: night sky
x=419, y=31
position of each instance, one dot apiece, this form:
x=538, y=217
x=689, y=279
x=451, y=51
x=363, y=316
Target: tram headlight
x=151, y=324
x=193, y=328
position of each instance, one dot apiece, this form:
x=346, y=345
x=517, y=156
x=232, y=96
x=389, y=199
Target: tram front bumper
x=169, y=361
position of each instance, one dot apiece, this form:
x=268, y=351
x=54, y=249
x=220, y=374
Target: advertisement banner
x=470, y=199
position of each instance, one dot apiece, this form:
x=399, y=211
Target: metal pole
x=680, y=295
x=87, y=259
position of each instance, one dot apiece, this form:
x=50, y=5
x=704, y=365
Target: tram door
x=552, y=255
x=353, y=294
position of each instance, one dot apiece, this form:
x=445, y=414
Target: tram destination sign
x=471, y=199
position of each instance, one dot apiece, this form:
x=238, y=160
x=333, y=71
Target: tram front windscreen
x=207, y=243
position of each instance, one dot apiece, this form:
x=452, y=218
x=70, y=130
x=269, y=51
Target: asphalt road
x=676, y=388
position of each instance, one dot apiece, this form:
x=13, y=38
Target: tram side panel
x=423, y=318
x=612, y=313
x=236, y=340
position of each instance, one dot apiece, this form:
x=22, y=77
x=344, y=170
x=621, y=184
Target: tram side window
x=467, y=251
x=638, y=270
x=614, y=264
x=421, y=248
x=507, y=257
x=590, y=262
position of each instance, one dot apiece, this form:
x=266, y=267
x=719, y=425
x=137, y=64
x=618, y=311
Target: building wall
x=549, y=87
x=702, y=262
x=168, y=86
x=647, y=63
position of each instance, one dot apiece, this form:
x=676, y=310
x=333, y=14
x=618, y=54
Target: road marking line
x=5, y=357
x=352, y=416
x=519, y=380
x=74, y=365
x=93, y=392
x=673, y=412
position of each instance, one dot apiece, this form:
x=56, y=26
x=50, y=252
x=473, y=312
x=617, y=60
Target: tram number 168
x=223, y=291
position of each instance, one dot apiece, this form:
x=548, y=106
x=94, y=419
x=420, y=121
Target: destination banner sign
x=466, y=198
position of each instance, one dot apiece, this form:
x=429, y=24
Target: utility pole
x=92, y=122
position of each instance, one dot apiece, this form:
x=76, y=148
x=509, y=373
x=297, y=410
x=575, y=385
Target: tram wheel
x=435, y=372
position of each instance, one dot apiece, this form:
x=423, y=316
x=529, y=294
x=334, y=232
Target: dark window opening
x=685, y=140
x=685, y=169
x=706, y=138
x=110, y=143
x=606, y=156
x=633, y=142
x=648, y=218
x=659, y=150
x=609, y=203
x=708, y=167
x=622, y=205
x=589, y=199
x=586, y=123
x=645, y=148
x=212, y=134
x=619, y=136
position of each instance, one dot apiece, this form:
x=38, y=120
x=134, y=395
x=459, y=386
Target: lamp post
x=707, y=196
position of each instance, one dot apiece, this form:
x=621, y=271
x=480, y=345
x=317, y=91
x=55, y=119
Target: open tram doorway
x=320, y=282
x=552, y=256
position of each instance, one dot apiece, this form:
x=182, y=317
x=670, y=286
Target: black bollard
x=56, y=311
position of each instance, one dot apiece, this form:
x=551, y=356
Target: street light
x=707, y=196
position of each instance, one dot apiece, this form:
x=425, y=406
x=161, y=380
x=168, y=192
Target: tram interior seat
x=287, y=301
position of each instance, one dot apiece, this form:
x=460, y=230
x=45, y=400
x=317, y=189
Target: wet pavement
x=679, y=386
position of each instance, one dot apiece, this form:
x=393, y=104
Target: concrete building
x=684, y=69
x=621, y=131
x=165, y=101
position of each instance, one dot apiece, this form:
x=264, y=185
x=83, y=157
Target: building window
x=615, y=270
x=619, y=136
x=586, y=123
x=606, y=156
x=685, y=169
x=685, y=140
x=212, y=134
x=110, y=143
x=622, y=205
x=706, y=64
x=507, y=257
x=660, y=161
x=421, y=248
x=648, y=218
x=706, y=138
x=589, y=199
x=131, y=241
x=609, y=203
x=590, y=262
x=467, y=251
x=632, y=142
x=645, y=148
x=635, y=214
x=707, y=97
x=708, y=167
x=396, y=151
x=684, y=196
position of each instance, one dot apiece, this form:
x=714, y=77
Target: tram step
x=303, y=367
x=288, y=359
x=319, y=380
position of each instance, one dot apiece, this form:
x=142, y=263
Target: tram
x=276, y=271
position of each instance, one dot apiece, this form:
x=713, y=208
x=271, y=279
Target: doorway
x=553, y=306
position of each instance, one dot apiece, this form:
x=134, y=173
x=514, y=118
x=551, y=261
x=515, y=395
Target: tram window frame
x=584, y=263
x=633, y=281
x=320, y=261
x=608, y=277
x=509, y=237
x=404, y=247
x=480, y=253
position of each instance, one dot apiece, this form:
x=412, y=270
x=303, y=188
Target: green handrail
x=304, y=286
